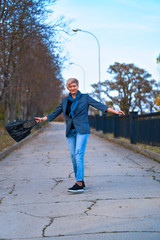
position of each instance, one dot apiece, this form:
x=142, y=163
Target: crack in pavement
x=49, y=159
x=31, y=215
x=151, y=169
x=123, y=218
x=57, y=182
x=117, y=199
x=69, y=176
x=87, y=233
x=103, y=232
x=1, y=199
x=83, y=200
x=46, y=226
x=90, y=207
x=111, y=199
x=43, y=217
x=13, y=188
x=117, y=175
x=154, y=178
x=130, y=158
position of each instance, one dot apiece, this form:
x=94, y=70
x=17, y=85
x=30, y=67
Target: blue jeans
x=77, y=144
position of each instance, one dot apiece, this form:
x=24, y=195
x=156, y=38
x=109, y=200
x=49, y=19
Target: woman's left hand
x=116, y=112
x=120, y=112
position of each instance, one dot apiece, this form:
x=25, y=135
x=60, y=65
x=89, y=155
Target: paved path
x=122, y=201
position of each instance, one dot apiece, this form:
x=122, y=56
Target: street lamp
x=99, y=69
x=72, y=63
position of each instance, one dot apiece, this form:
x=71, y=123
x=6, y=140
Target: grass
x=5, y=139
x=152, y=148
x=149, y=147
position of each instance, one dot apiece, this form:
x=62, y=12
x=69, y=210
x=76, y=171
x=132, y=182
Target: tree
x=28, y=62
x=131, y=88
x=38, y=79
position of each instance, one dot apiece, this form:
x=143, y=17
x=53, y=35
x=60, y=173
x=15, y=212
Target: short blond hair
x=70, y=81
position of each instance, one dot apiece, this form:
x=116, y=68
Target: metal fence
x=138, y=128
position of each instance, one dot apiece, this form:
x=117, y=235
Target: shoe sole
x=76, y=191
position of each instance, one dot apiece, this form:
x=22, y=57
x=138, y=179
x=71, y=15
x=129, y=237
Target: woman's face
x=73, y=88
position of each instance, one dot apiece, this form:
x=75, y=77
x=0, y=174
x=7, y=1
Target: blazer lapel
x=65, y=107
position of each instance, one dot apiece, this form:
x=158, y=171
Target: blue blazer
x=80, y=117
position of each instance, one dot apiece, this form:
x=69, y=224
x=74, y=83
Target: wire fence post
x=96, y=122
x=132, y=129
x=104, y=122
x=114, y=126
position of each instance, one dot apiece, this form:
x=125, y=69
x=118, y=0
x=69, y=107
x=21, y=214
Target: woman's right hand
x=38, y=119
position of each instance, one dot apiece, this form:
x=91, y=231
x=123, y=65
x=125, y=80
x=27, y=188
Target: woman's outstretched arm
x=50, y=117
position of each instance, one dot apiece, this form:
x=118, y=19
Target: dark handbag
x=19, y=129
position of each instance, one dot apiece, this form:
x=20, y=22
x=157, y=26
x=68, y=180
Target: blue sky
x=128, y=31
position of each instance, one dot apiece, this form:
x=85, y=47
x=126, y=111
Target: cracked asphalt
x=121, y=202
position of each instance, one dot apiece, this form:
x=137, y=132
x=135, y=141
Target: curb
x=13, y=147
x=135, y=148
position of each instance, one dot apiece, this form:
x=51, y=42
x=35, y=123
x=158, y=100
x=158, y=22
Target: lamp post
x=99, y=69
x=72, y=63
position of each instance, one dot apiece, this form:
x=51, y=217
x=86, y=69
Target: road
x=121, y=202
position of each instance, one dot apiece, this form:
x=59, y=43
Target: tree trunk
x=6, y=115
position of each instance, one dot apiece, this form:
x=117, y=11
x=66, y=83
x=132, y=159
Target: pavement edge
x=133, y=147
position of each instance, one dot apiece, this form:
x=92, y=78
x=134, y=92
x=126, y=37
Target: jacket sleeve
x=100, y=106
x=55, y=114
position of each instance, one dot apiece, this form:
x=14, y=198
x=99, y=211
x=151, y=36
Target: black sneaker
x=84, y=186
x=76, y=188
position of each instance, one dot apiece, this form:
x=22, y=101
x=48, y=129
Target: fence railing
x=138, y=128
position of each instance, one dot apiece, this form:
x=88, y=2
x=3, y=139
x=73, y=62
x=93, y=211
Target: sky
x=128, y=31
